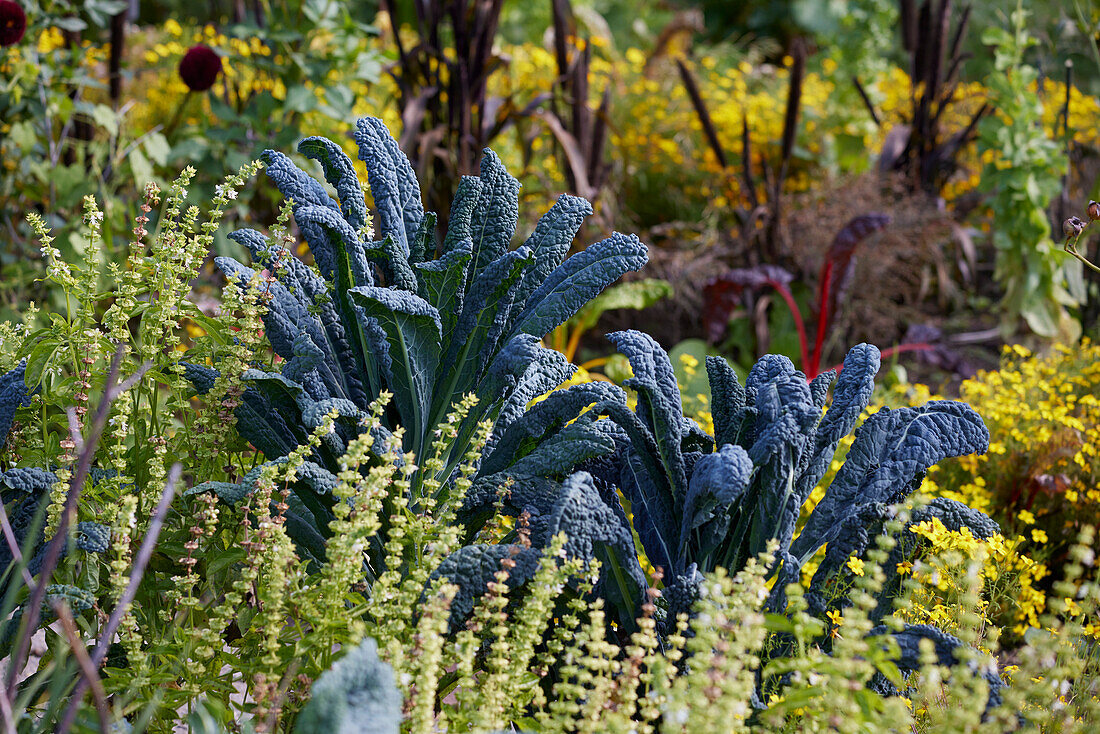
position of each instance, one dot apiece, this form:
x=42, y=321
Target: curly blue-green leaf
x=727, y=401
x=357, y=695
x=340, y=172
x=473, y=567
x=717, y=482
x=551, y=240
x=545, y=418
x=459, y=225
x=891, y=449
x=594, y=531
x=496, y=213
x=393, y=185
x=578, y=280
x=659, y=405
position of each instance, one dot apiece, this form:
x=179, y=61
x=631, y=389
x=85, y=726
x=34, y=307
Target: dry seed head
x=1073, y=226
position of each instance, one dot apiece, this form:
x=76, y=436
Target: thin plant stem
x=88, y=671
x=145, y=553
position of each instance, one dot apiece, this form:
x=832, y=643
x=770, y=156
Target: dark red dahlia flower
x=200, y=67
x=13, y=22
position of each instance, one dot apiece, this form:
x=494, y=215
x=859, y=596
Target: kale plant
x=426, y=324
x=399, y=314
x=699, y=503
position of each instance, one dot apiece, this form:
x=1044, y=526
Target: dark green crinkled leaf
x=264, y=427
x=315, y=313
x=92, y=537
x=200, y=376
x=494, y=216
x=393, y=184
x=568, y=447
x=298, y=186
x=891, y=449
x=785, y=418
x=442, y=284
x=412, y=330
x=13, y=395
x=281, y=392
x=228, y=492
x=284, y=316
x=340, y=172
x=479, y=328
x=727, y=401
x=472, y=568
x=946, y=648
x=655, y=510
x=819, y=387
x=343, y=238
x=578, y=280
x=551, y=240
x=459, y=226
x=717, y=482
x=658, y=399
x=78, y=600
x=28, y=480
x=851, y=395
x=594, y=531
x=516, y=494
x=520, y=372
x=294, y=183
x=301, y=526
x=423, y=246
x=396, y=268
x=544, y=419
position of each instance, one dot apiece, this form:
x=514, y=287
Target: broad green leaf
x=637, y=294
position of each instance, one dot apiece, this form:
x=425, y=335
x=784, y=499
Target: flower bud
x=13, y=23
x=1073, y=227
x=1094, y=210
x=199, y=67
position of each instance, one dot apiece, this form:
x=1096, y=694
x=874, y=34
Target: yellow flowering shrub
x=664, y=169
x=1007, y=580
x=671, y=173
x=1041, y=477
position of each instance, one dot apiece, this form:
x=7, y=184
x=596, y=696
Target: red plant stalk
x=799, y=325
x=811, y=362
x=823, y=319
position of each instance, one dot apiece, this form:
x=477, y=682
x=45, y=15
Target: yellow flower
x=1038, y=535
x=50, y=40
x=856, y=565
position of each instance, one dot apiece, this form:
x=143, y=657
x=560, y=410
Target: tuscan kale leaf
x=357, y=694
